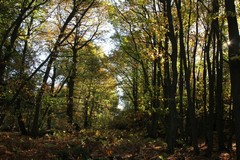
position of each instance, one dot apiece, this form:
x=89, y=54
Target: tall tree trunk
x=135, y=87
x=52, y=93
x=21, y=122
x=195, y=132
x=210, y=60
x=86, y=108
x=156, y=90
x=234, y=62
x=166, y=94
x=219, y=89
x=71, y=83
x=191, y=106
x=90, y=119
x=173, y=115
x=38, y=105
x=205, y=96
x=211, y=75
x=181, y=112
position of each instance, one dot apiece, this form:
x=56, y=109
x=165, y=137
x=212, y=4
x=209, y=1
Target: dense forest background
x=171, y=79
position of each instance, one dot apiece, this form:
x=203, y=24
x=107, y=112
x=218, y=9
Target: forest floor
x=94, y=145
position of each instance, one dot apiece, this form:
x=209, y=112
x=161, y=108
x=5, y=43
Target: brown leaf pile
x=92, y=145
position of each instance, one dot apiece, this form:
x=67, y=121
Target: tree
x=173, y=115
x=15, y=20
x=234, y=62
x=187, y=69
x=94, y=88
x=24, y=20
x=76, y=46
x=62, y=37
x=26, y=8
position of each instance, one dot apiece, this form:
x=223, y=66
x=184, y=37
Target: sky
x=105, y=42
x=107, y=45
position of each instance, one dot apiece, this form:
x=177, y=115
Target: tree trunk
x=53, y=94
x=181, y=112
x=156, y=90
x=219, y=91
x=173, y=115
x=211, y=103
x=135, y=87
x=234, y=62
x=191, y=106
x=71, y=83
x=86, y=107
x=21, y=125
x=204, y=96
x=154, y=116
x=38, y=105
x=210, y=68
